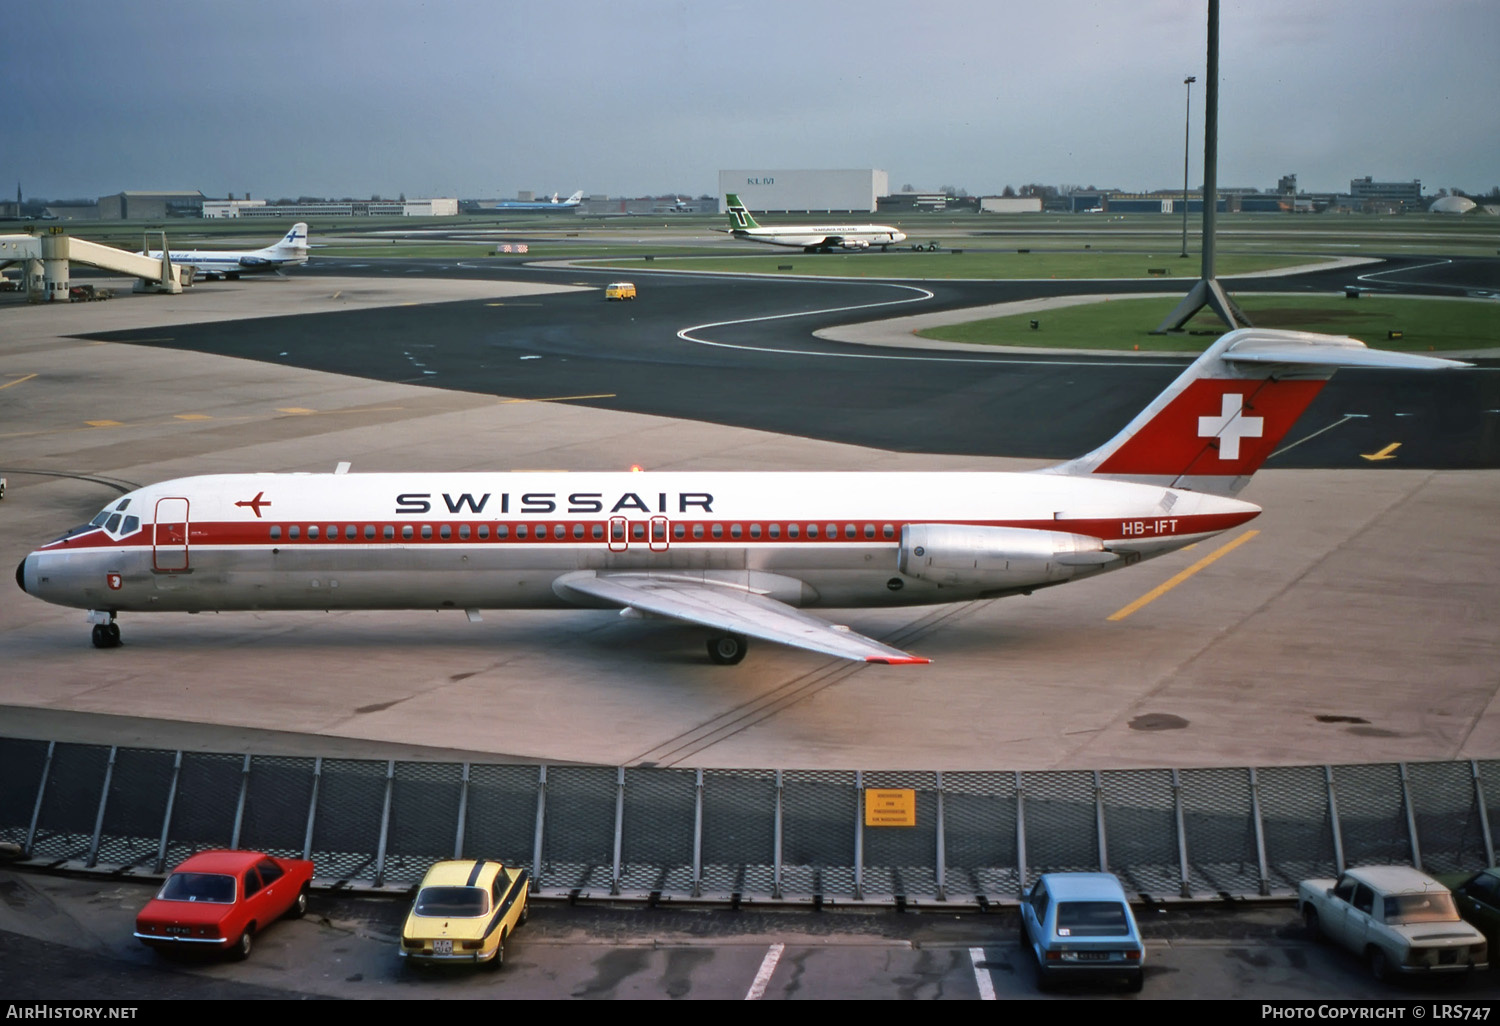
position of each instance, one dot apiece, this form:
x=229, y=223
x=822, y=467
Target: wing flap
x=732, y=609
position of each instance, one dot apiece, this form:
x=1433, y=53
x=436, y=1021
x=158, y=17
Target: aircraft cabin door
x=169, y=546
x=660, y=540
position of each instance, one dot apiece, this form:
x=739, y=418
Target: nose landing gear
x=106, y=631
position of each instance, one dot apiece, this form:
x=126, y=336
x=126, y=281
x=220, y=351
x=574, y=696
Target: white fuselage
x=225, y=262
x=847, y=236
x=503, y=540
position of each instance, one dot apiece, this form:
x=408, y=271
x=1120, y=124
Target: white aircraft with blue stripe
x=290, y=251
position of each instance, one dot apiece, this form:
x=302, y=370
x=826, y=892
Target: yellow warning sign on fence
x=890, y=807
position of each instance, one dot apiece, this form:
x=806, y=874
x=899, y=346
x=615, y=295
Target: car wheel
x=499, y=959
x=299, y=907
x=1134, y=982
x=241, y=949
x=1380, y=966
x=525, y=913
x=1310, y=921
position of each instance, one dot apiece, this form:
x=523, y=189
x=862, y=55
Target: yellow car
x=465, y=911
x=619, y=290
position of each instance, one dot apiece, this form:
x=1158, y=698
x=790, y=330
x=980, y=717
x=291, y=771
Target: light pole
x=1187, y=124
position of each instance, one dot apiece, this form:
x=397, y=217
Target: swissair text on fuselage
x=416, y=503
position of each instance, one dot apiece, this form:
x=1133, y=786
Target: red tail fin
x=1218, y=422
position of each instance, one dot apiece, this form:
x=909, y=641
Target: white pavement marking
x=982, y=975
x=767, y=967
x=687, y=335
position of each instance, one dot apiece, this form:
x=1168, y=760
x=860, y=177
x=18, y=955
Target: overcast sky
x=482, y=98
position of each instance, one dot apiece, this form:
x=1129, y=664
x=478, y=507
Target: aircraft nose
x=21, y=574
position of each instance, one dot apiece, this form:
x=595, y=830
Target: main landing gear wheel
x=106, y=635
x=727, y=649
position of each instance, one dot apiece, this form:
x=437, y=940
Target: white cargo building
x=783, y=191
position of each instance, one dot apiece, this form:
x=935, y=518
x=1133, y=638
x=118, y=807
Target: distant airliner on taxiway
x=553, y=204
x=812, y=238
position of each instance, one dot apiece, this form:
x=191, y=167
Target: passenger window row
x=578, y=532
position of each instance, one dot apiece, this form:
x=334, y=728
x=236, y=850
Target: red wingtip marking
x=896, y=660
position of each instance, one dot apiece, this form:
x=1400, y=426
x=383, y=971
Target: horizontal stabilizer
x=1289, y=347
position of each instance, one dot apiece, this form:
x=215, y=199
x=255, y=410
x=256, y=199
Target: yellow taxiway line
x=1162, y=589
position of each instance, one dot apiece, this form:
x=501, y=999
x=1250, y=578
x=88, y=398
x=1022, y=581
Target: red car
x=219, y=900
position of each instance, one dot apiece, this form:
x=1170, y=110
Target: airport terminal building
x=440, y=207
x=805, y=192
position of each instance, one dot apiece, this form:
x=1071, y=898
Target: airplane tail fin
x=1224, y=415
x=577, y=197
x=739, y=217
x=295, y=240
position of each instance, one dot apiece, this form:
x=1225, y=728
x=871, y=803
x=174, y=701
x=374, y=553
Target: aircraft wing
x=732, y=609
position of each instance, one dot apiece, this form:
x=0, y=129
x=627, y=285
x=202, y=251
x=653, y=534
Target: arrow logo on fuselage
x=255, y=504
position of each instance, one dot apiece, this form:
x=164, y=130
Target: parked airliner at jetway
x=289, y=251
x=741, y=554
x=46, y=258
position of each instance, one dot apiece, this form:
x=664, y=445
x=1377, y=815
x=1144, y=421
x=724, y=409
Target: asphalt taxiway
x=1357, y=624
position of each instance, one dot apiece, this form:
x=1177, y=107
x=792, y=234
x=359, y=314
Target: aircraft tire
x=727, y=649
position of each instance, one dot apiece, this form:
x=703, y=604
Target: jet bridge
x=46, y=259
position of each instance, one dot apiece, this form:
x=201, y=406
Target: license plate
x=442, y=947
x=1092, y=956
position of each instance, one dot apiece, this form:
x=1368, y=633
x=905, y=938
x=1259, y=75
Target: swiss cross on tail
x=1215, y=427
x=1224, y=416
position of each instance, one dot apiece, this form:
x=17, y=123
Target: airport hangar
x=855, y=191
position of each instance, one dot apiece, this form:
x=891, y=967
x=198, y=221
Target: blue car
x=1079, y=926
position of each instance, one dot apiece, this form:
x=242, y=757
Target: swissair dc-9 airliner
x=744, y=555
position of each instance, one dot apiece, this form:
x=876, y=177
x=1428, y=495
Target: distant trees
x=1037, y=189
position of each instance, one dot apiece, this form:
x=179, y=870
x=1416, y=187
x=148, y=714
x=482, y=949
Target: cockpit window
x=121, y=507
x=100, y=519
x=132, y=525
x=113, y=524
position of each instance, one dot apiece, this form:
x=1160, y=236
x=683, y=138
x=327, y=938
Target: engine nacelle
x=997, y=557
x=855, y=244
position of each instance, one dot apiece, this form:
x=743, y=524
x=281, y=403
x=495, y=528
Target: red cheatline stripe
x=220, y=534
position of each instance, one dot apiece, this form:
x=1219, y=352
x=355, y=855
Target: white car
x=1398, y=919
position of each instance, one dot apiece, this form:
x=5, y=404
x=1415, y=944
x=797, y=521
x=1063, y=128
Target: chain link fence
x=731, y=836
